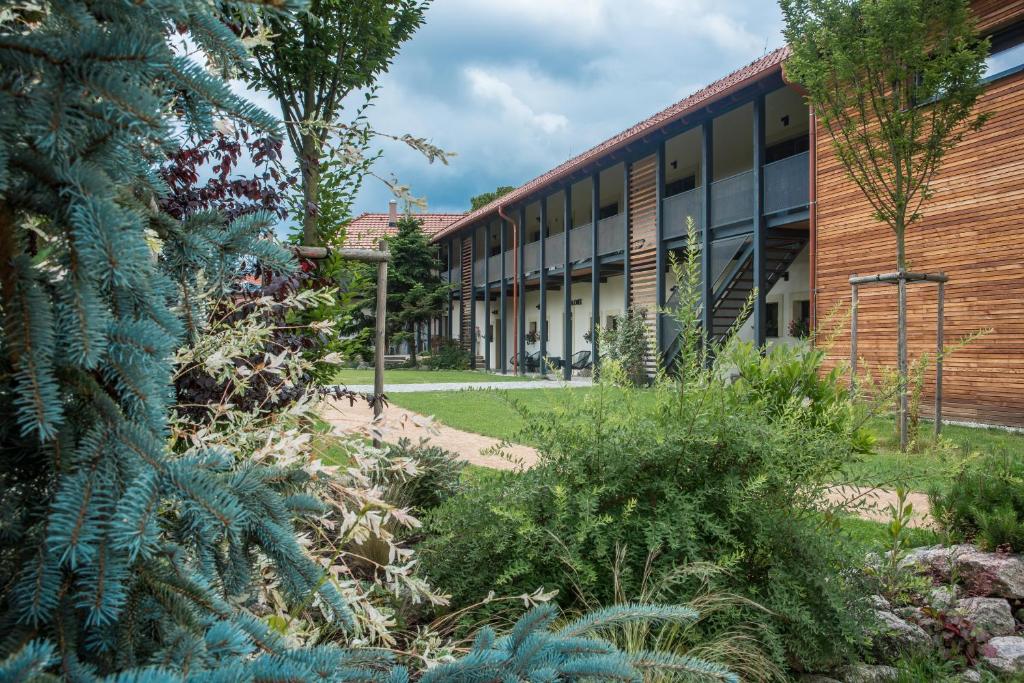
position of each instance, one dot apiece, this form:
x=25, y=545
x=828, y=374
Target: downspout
x=812, y=218
x=515, y=288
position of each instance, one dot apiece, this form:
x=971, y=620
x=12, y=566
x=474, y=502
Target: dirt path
x=476, y=449
x=398, y=422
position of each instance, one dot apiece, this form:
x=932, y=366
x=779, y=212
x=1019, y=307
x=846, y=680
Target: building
x=593, y=236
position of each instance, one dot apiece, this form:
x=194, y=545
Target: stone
x=869, y=673
x=897, y=636
x=936, y=560
x=991, y=574
x=1004, y=654
x=911, y=614
x=816, y=678
x=989, y=617
x=943, y=598
x=970, y=676
x=879, y=602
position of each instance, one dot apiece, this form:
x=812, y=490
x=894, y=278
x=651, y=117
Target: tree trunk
x=901, y=338
x=310, y=163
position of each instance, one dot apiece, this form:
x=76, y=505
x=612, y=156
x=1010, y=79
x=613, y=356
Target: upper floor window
x=1007, y=53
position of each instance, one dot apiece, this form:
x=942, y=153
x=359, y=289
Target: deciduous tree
x=894, y=84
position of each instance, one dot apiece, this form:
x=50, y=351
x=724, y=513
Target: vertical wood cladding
x=643, y=198
x=972, y=229
x=466, y=264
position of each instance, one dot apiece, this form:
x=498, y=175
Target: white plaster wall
x=786, y=294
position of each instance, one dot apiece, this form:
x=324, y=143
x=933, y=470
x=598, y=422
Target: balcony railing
x=677, y=208
x=579, y=243
x=531, y=257
x=787, y=184
x=554, y=250
x=453, y=275
x=611, y=234
x=732, y=199
x=478, y=272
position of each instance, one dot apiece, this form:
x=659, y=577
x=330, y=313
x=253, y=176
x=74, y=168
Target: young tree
x=894, y=83
x=488, y=197
x=416, y=292
x=311, y=63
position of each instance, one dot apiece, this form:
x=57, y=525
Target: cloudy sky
x=515, y=87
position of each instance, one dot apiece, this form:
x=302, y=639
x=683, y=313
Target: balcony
x=787, y=184
x=732, y=199
x=679, y=207
x=611, y=234
x=531, y=257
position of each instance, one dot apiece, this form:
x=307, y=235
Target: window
x=680, y=186
x=608, y=211
x=771, y=323
x=800, y=325
x=1007, y=53
x=611, y=322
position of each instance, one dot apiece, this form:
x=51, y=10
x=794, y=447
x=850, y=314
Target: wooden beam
x=365, y=255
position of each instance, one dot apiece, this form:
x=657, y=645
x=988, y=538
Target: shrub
x=433, y=475
x=984, y=501
x=449, y=356
x=709, y=469
x=627, y=342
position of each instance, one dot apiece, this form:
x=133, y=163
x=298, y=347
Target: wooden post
x=595, y=271
x=760, y=275
x=853, y=337
x=939, y=352
x=378, y=352
x=707, y=174
x=627, y=167
x=543, y=265
x=901, y=351
x=567, y=289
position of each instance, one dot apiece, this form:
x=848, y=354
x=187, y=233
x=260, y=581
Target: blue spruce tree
x=121, y=559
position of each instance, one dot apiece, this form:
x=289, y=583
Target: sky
x=516, y=87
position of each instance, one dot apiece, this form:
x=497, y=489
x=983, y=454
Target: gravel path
x=575, y=383
x=477, y=449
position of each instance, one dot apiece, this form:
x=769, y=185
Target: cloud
x=518, y=86
x=489, y=87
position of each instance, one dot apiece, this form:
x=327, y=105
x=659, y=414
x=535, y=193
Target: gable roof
x=756, y=70
x=367, y=229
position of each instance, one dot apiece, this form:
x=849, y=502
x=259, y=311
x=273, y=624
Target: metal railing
x=732, y=199
x=531, y=257
x=677, y=208
x=611, y=234
x=554, y=250
x=787, y=184
x=579, y=243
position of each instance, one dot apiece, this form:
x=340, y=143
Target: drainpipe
x=812, y=219
x=515, y=288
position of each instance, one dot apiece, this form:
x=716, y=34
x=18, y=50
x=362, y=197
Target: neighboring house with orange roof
x=774, y=211
x=366, y=230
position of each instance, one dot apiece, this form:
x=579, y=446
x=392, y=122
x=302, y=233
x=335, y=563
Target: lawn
x=410, y=376
x=484, y=412
x=489, y=413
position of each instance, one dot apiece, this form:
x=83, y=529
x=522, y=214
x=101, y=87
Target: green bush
x=437, y=475
x=449, y=356
x=984, y=502
x=722, y=471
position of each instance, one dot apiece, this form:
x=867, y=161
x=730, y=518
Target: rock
x=990, y=617
x=867, y=673
x=897, y=636
x=879, y=602
x=1004, y=654
x=911, y=614
x=970, y=676
x=816, y=678
x=991, y=574
x=936, y=560
x=943, y=598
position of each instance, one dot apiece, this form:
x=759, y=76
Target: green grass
x=409, y=376
x=870, y=536
x=484, y=412
x=932, y=464
x=488, y=413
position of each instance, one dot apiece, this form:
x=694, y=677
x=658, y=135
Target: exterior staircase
x=733, y=287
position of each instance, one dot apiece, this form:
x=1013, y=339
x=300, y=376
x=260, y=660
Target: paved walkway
x=477, y=449
x=576, y=382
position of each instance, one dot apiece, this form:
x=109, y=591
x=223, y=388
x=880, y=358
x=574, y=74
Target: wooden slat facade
x=972, y=230
x=643, y=197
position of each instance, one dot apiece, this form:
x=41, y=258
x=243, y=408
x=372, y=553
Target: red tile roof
x=366, y=230
x=756, y=70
